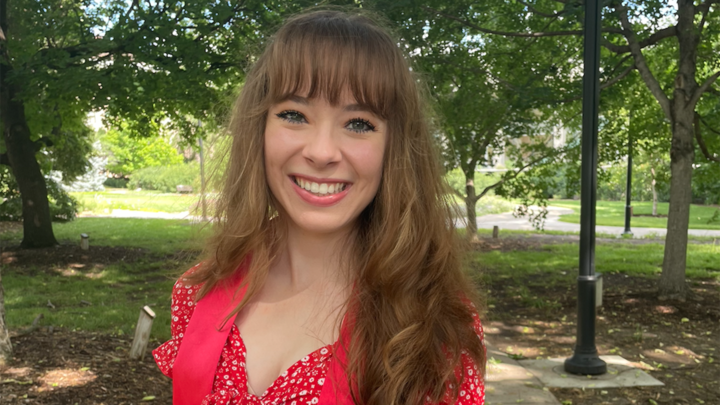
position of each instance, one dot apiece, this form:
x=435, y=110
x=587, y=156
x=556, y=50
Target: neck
x=306, y=259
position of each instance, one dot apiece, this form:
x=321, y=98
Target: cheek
x=279, y=147
x=369, y=161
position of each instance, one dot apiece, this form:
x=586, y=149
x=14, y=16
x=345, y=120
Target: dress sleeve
x=183, y=306
x=472, y=388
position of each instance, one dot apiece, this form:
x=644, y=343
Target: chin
x=322, y=224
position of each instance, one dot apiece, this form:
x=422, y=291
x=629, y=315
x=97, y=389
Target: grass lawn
x=103, y=202
x=131, y=263
x=612, y=213
x=559, y=263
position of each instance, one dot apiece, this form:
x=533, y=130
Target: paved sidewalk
x=552, y=223
x=527, y=381
x=508, y=382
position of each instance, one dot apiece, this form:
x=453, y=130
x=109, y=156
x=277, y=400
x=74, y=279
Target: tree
x=487, y=105
x=127, y=153
x=142, y=62
x=688, y=39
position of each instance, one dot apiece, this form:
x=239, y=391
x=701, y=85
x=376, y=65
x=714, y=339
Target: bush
x=116, y=182
x=166, y=178
x=62, y=206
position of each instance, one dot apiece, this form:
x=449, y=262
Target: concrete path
x=508, y=382
x=527, y=381
x=552, y=223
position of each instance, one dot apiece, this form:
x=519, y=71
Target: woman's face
x=323, y=163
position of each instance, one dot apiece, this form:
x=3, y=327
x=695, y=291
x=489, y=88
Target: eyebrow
x=350, y=107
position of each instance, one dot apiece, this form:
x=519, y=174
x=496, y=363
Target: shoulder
x=182, y=291
x=181, y=310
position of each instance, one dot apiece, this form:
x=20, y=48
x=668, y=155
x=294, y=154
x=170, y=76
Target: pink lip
x=318, y=201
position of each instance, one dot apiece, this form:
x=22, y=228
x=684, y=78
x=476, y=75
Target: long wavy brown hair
x=410, y=307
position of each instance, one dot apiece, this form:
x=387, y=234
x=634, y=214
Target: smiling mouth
x=319, y=189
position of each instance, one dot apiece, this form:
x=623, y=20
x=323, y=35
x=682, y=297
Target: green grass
x=560, y=262
x=160, y=236
x=116, y=294
x=612, y=213
x=103, y=202
x=490, y=204
x=116, y=291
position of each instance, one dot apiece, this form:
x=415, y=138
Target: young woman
x=334, y=275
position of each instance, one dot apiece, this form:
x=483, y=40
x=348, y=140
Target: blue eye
x=359, y=125
x=292, y=116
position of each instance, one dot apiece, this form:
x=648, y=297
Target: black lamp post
x=628, y=187
x=585, y=359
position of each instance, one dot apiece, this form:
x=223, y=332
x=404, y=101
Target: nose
x=322, y=147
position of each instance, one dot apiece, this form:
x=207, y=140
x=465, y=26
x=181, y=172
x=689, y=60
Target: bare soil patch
x=64, y=367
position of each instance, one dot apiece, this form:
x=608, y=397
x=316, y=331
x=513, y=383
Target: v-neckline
x=283, y=375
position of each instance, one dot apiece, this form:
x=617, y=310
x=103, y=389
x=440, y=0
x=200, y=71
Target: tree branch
x=657, y=36
x=704, y=8
x=510, y=177
x=538, y=12
x=701, y=142
x=641, y=64
x=703, y=88
x=604, y=85
x=4, y=159
x=618, y=77
x=130, y=9
x=514, y=34
x=43, y=142
x=713, y=130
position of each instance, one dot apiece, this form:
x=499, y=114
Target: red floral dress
x=299, y=384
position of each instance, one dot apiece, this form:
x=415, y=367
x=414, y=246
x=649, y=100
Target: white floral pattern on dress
x=300, y=384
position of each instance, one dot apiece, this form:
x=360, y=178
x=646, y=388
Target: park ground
x=90, y=300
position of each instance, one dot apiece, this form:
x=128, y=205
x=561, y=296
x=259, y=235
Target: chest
x=277, y=333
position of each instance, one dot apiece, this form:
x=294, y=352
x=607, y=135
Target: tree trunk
x=654, y=191
x=37, y=225
x=672, y=280
x=682, y=153
x=470, y=201
x=5, y=345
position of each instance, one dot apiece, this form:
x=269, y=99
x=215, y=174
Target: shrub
x=166, y=178
x=116, y=182
x=62, y=206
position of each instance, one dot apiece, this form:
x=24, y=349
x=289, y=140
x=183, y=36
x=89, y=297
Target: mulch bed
x=676, y=342
x=64, y=367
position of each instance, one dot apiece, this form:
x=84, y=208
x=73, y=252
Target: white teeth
x=320, y=188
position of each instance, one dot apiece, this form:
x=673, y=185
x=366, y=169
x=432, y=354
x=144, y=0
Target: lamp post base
x=585, y=364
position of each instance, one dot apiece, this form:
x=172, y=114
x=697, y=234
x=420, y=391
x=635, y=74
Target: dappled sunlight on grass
x=104, y=202
x=612, y=213
x=106, y=301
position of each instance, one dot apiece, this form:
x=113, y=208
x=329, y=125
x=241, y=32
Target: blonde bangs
x=328, y=57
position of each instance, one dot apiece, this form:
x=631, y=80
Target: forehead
x=342, y=69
